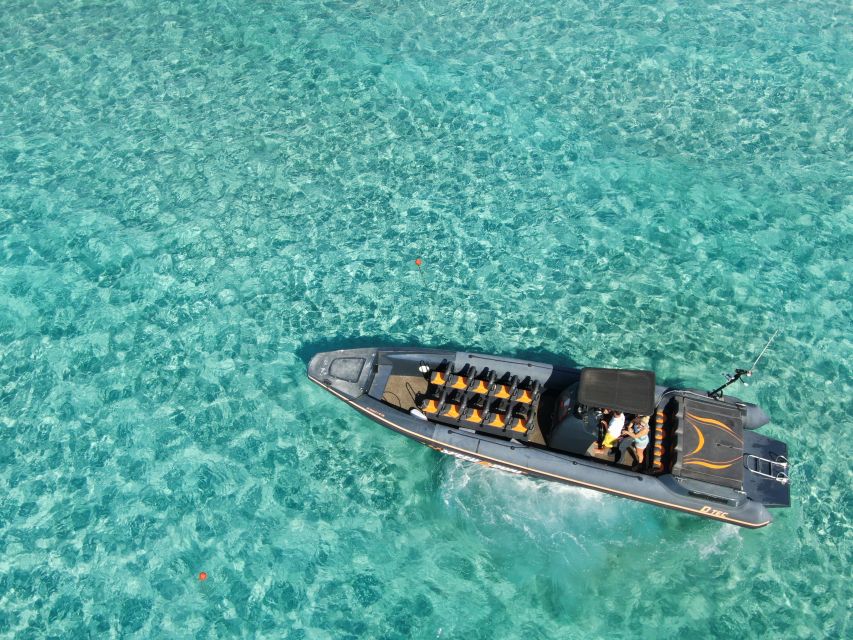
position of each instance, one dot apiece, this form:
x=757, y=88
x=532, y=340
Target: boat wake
x=722, y=539
x=536, y=510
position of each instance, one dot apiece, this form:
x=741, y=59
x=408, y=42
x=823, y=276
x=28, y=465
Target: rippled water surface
x=196, y=197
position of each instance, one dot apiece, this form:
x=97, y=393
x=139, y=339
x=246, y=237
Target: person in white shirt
x=614, y=431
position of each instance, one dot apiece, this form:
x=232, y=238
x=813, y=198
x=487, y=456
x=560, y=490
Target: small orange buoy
x=419, y=262
x=202, y=576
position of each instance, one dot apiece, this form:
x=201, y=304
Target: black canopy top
x=627, y=390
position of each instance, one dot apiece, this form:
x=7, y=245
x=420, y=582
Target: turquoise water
x=194, y=198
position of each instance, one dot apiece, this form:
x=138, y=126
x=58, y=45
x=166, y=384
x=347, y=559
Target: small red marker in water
x=202, y=576
x=419, y=262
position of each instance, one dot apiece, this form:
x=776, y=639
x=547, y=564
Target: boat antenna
x=740, y=373
x=773, y=337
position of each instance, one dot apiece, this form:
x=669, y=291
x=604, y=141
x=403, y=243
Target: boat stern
x=766, y=463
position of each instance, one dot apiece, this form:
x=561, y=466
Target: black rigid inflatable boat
x=704, y=456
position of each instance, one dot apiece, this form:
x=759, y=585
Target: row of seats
x=497, y=413
x=659, y=434
x=508, y=387
x=485, y=402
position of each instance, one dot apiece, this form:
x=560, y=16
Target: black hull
x=662, y=490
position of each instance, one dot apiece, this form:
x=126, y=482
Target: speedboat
x=704, y=455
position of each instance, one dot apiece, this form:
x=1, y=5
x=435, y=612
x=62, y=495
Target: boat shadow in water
x=309, y=349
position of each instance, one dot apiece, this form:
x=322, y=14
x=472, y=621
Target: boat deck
x=625, y=460
x=402, y=391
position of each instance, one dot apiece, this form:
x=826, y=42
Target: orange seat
x=480, y=386
x=520, y=425
x=431, y=406
x=438, y=377
x=525, y=396
x=459, y=382
x=451, y=410
x=501, y=391
x=475, y=417
x=498, y=420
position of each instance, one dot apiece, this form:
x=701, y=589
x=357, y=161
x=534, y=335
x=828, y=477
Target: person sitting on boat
x=614, y=430
x=639, y=431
